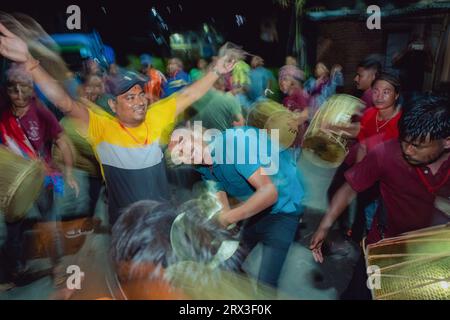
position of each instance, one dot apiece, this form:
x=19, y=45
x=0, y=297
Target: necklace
x=386, y=122
x=133, y=137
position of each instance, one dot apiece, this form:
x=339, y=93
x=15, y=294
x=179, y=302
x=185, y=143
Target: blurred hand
x=223, y=219
x=336, y=68
x=12, y=47
x=73, y=184
x=224, y=65
x=339, y=130
x=316, y=244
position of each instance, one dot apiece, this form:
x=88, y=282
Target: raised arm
x=15, y=49
x=196, y=90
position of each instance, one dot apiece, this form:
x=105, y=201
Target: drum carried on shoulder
x=268, y=114
x=21, y=181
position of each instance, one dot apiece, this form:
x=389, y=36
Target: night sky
x=127, y=25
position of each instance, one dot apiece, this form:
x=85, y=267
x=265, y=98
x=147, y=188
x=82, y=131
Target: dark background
x=127, y=25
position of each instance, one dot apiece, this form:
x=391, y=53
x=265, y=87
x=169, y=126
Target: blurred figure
x=218, y=110
x=269, y=202
x=153, y=88
x=199, y=71
x=366, y=72
x=412, y=173
x=177, y=79
x=127, y=145
x=290, y=80
x=323, y=85
x=261, y=79
x=151, y=264
x=291, y=61
x=30, y=130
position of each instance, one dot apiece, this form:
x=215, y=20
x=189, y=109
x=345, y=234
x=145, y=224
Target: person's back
x=260, y=79
x=217, y=110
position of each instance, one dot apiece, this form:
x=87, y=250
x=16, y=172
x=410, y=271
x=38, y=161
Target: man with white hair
x=30, y=130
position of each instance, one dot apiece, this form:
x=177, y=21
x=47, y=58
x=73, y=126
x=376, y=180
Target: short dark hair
x=372, y=64
x=427, y=115
x=390, y=78
x=141, y=236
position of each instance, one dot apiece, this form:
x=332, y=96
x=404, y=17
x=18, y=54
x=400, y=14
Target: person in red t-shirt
x=379, y=123
x=414, y=177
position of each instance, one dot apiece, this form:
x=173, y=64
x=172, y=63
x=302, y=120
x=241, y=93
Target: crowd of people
x=133, y=127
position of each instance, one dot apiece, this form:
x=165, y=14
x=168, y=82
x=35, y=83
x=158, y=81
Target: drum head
x=323, y=151
x=279, y=120
x=24, y=192
x=413, y=266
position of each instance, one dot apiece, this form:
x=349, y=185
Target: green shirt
x=217, y=110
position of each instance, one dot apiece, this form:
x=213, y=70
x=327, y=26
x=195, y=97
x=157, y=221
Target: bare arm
x=63, y=146
x=15, y=49
x=223, y=198
x=198, y=89
x=265, y=195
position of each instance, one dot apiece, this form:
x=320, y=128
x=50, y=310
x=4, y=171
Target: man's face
x=424, y=153
x=131, y=107
x=20, y=93
x=173, y=67
x=94, y=88
x=363, y=79
x=383, y=94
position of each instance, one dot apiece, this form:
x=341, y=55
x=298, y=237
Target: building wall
x=347, y=42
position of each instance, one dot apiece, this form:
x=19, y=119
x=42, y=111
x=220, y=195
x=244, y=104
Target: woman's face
x=285, y=84
x=383, y=95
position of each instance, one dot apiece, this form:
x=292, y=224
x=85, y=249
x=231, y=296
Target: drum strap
x=13, y=136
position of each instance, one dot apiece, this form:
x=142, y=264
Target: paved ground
x=302, y=278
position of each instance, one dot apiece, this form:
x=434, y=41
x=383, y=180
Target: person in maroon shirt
x=290, y=80
x=414, y=177
x=30, y=130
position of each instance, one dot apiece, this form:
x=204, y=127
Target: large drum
x=269, y=115
x=413, y=266
x=21, y=181
x=325, y=147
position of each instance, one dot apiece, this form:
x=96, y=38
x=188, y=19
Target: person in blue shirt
x=247, y=165
x=261, y=79
x=177, y=79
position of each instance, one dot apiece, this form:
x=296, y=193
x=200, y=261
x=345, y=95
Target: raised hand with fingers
x=12, y=47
